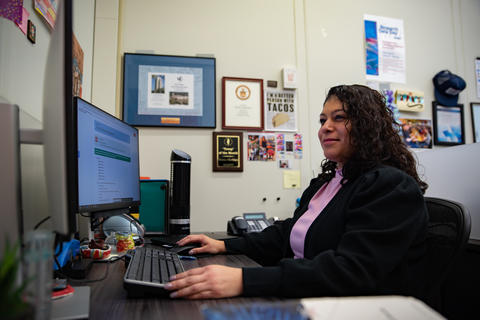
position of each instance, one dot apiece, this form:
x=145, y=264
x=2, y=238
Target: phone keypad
x=256, y=225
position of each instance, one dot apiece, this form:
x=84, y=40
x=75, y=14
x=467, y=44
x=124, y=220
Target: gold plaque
x=227, y=151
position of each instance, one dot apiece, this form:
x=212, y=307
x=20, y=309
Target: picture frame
x=227, y=151
x=448, y=124
x=475, y=112
x=31, y=32
x=169, y=91
x=242, y=104
x=417, y=133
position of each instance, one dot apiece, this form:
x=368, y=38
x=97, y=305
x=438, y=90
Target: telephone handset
x=237, y=226
x=250, y=222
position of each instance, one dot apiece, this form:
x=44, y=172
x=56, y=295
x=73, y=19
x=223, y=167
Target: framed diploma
x=475, y=112
x=448, y=126
x=242, y=104
x=168, y=91
x=227, y=151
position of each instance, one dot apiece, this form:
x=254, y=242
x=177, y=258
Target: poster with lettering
x=384, y=49
x=280, y=110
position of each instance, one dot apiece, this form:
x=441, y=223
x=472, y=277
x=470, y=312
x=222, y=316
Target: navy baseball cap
x=447, y=87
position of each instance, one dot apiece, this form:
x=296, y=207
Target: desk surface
x=109, y=299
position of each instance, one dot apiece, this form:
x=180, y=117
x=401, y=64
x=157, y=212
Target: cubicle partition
x=453, y=173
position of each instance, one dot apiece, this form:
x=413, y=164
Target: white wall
x=324, y=39
x=251, y=38
x=105, y=58
x=22, y=64
x=469, y=11
x=22, y=72
x=439, y=34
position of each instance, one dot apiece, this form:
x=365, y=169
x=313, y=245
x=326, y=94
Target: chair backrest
x=448, y=232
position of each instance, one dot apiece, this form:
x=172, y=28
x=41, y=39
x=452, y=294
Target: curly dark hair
x=374, y=135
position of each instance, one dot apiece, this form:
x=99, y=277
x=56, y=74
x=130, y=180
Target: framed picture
x=417, y=133
x=227, y=151
x=475, y=108
x=31, y=32
x=448, y=124
x=242, y=106
x=168, y=91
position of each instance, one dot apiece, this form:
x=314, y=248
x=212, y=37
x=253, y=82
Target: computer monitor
x=59, y=125
x=108, y=162
x=101, y=175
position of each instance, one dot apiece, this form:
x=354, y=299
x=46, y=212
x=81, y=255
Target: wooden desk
x=109, y=300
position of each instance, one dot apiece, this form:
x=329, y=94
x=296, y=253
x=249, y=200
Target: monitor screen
x=108, y=168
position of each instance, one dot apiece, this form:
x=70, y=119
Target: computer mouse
x=184, y=250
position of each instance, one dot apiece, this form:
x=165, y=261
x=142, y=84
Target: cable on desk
x=107, y=262
x=96, y=223
x=92, y=280
x=111, y=260
x=41, y=222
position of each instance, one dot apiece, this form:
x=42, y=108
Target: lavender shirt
x=315, y=207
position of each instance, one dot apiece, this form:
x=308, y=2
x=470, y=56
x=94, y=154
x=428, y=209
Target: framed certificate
x=448, y=124
x=242, y=104
x=227, y=151
x=168, y=91
x=475, y=112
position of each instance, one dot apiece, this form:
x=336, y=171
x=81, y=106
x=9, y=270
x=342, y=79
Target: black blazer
x=369, y=240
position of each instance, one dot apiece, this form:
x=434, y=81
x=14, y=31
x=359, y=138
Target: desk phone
x=250, y=222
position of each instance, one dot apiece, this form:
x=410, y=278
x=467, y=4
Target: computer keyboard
x=149, y=270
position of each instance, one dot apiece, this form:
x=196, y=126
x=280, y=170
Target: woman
x=359, y=230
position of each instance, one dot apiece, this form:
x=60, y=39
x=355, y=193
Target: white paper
x=170, y=90
x=367, y=308
x=477, y=76
x=385, y=50
x=280, y=110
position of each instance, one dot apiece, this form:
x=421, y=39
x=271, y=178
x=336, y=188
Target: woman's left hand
x=213, y=281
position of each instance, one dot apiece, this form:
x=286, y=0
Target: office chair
x=448, y=232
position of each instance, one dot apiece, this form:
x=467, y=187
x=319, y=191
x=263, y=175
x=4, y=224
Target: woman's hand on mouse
x=213, y=281
x=208, y=245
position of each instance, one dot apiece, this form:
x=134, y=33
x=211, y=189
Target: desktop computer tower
x=179, y=219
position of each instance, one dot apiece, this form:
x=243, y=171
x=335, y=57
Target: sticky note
x=291, y=179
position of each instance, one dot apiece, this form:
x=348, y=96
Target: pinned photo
x=31, y=31
x=417, y=133
x=284, y=164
